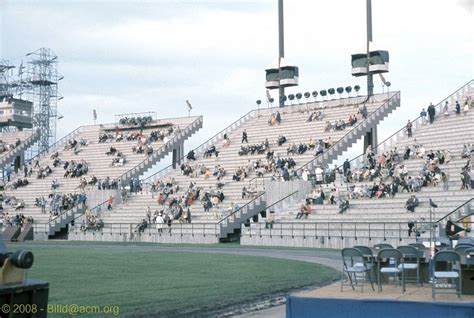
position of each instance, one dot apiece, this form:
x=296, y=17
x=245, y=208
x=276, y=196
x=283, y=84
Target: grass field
x=143, y=282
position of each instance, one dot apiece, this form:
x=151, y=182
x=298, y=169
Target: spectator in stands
x=270, y=219
x=9, y=172
x=465, y=179
x=20, y=205
x=281, y=140
x=305, y=210
x=141, y=226
x=363, y=111
x=54, y=184
x=191, y=155
x=110, y=201
x=466, y=108
x=346, y=166
x=343, y=205
x=457, y=108
x=431, y=112
x=408, y=128
x=445, y=109
x=226, y=142
x=445, y=180
x=244, y=136
x=412, y=203
x=159, y=222
x=423, y=116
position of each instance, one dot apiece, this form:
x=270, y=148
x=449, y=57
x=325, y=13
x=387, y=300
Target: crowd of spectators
x=19, y=219
x=136, y=121
x=75, y=169
x=92, y=223
x=316, y=116
x=259, y=148
x=211, y=151
x=57, y=202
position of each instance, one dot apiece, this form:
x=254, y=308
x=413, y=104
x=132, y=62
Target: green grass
x=163, y=284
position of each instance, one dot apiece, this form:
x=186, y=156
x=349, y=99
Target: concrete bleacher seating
x=387, y=216
x=99, y=164
x=26, y=138
x=293, y=126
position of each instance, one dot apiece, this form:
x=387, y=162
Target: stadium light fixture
x=357, y=89
x=298, y=97
x=291, y=97
x=331, y=92
x=348, y=91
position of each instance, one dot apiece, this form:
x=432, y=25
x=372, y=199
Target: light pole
x=281, y=50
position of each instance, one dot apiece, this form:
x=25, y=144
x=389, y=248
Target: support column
x=178, y=153
x=370, y=138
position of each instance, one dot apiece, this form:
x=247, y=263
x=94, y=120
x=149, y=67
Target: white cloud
x=119, y=56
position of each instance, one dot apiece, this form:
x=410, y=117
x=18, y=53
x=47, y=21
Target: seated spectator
x=226, y=142
x=270, y=219
x=305, y=210
x=412, y=203
x=54, y=184
x=343, y=206
x=112, y=151
x=140, y=228
x=191, y=155
x=281, y=140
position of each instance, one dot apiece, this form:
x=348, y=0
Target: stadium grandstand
x=169, y=215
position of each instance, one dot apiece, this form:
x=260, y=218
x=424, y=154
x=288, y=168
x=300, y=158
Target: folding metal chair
x=355, y=267
x=461, y=248
x=369, y=257
x=419, y=246
x=382, y=246
x=446, y=277
x=411, y=261
x=394, y=258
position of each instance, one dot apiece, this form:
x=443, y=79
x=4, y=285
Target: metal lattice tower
x=42, y=89
x=6, y=69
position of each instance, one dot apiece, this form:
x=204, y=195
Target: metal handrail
x=336, y=143
x=163, y=147
x=396, y=94
x=456, y=209
x=279, y=200
x=204, y=144
x=340, y=229
x=239, y=209
x=24, y=142
x=439, y=105
x=120, y=177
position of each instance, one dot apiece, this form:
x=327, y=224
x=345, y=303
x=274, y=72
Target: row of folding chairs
x=361, y=265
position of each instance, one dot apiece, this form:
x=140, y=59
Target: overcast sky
x=130, y=56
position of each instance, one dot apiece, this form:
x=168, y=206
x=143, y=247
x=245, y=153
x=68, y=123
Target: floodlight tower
x=5, y=78
x=281, y=74
x=281, y=49
x=6, y=84
x=42, y=79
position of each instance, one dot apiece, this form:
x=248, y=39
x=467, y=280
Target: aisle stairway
x=99, y=165
x=293, y=126
x=389, y=214
x=27, y=138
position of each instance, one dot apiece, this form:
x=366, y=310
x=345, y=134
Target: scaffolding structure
x=7, y=84
x=41, y=88
x=6, y=78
